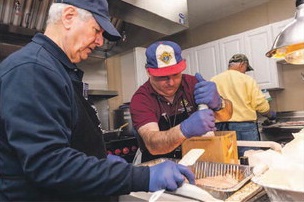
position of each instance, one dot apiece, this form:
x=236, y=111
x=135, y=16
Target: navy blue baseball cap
x=164, y=58
x=100, y=11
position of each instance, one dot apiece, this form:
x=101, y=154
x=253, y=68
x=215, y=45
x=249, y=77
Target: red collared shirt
x=148, y=106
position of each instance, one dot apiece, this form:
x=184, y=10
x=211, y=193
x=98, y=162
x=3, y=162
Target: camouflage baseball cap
x=241, y=58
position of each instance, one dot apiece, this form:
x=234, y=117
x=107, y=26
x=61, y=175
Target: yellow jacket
x=244, y=93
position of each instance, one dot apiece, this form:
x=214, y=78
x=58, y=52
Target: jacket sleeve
x=259, y=103
x=36, y=107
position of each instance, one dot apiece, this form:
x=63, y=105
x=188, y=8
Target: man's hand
x=272, y=115
x=169, y=175
x=205, y=92
x=200, y=122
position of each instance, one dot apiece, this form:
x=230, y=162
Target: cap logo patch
x=165, y=57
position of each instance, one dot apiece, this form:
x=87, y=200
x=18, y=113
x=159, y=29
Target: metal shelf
x=102, y=93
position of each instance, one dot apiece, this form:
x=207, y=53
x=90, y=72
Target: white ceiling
x=204, y=11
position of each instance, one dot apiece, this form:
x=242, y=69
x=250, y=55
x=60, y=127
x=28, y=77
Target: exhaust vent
x=140, y=22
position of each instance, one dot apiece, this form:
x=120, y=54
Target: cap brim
x=110, y=32
x=170, y=70
x=249, y=68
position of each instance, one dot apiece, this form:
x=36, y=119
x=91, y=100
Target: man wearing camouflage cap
x=238, y=58
x=247, y=98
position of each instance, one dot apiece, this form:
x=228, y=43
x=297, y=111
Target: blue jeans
x=244, y=131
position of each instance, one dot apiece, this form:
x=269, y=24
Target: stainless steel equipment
x=21, y=19
x=281, y=130
x=122, y=116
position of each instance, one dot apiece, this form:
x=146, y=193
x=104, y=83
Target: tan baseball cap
x=241, y=58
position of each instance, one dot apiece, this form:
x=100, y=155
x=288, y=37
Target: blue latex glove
x=115, y=158
x=200, y=122
x=169, y=175
x=272, y=115
x=205, y=92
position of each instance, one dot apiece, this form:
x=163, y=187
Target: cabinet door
x=188, y=55
x=257, y=43
x=207, y=59
x=133, y=72
x=140, y=62
x=228, y=47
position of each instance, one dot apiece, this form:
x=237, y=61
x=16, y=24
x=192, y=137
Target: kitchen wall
x=291, y=98
x=113, y=66
x=271, y=12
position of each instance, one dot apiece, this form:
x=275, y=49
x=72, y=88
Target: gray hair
x=56, y=9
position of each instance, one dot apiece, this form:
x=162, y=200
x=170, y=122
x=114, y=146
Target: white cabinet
x=133, y=72
x=207, y=59
x=228, y=47
x=212, y=58
x=203, y=59
x=257, y=43
x=188, y=55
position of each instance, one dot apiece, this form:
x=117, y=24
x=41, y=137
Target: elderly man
x=247, y=99
x=50, y=143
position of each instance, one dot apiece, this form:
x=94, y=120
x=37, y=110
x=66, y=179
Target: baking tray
x=201, y=169
x=241, y=173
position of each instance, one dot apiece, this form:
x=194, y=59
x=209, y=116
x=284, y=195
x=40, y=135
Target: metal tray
x=241, y=173
x=276, y=194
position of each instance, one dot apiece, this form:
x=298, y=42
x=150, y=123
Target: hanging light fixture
x=289, y=44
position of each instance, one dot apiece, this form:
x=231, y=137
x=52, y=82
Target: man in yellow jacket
x=246, y=97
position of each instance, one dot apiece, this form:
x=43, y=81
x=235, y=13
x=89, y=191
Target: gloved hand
x=115, y=158
x=169, y=175
x=205, y=92
x=200, y=122
x=272, y=115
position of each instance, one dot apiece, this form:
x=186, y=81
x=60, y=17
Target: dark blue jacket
x=37, y=115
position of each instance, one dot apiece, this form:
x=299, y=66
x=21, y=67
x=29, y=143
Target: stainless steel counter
x=281, y=130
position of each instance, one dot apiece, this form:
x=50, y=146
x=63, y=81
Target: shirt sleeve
x=36, y=110
x=143, y=109
x=259, y=103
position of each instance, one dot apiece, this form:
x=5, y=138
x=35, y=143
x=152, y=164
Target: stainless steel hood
x=165, y=17
x=140, y=22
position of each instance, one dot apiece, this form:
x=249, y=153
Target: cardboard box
x=220, y=148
